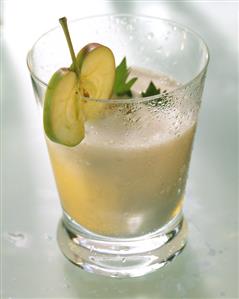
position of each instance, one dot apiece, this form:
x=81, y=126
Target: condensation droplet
x=16, y=236
x=92, y=258
x=66, y=285
x=171, y=250
x=182, y=243
x=18, y=239
x=130, y=27
x=212, y=252
x=124, y=259
x=131, y=37
x=150, y=35
x=123, y=21
x=48, y=237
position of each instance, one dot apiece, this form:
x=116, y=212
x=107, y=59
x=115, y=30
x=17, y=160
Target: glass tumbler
x=122, y=188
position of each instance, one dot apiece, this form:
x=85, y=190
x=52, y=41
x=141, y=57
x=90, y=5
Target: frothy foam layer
x=139, y=125
x=143, y=127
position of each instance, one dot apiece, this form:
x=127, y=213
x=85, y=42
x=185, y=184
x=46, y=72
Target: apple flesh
x=68, y=97
x=97, y=76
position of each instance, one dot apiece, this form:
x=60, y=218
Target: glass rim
x=138, y=99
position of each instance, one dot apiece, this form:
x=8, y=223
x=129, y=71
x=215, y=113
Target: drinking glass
x=122, y=188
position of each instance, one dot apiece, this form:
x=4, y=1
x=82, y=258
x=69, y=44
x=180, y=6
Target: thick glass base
x=131, y=257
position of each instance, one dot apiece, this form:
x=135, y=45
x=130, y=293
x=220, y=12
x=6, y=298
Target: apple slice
x=97, y=76
x=91, y=75
x=63, y=119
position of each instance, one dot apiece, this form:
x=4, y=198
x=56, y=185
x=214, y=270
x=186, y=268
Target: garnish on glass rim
x=92, y=75
x=121, y=87
x=151, y=90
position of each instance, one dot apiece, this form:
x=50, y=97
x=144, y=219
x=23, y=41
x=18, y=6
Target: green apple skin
x=83, y=53
x=62, y=117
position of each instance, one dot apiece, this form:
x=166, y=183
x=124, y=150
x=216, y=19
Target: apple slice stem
x=63, y=22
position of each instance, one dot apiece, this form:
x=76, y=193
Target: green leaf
x=121, y=87
x=152, y=90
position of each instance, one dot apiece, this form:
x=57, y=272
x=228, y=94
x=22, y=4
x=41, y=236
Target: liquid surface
x=127, y=177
